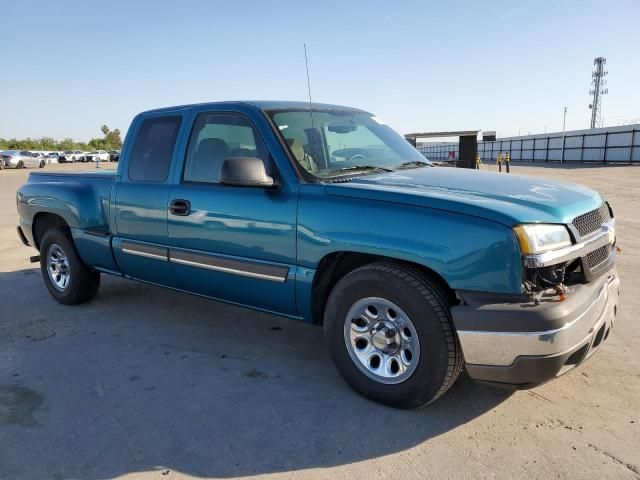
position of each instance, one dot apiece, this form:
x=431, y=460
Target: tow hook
x=34, y=259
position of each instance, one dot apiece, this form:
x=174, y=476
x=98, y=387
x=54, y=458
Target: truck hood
x=509, y=199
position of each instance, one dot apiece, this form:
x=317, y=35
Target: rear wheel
x=42, y=164
x=68, y=280
x=20, y=164
x=389, y=330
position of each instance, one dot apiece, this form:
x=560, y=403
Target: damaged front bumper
x=511, y=340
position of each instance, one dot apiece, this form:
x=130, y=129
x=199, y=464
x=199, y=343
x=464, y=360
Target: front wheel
x=42, y=164
x=68, y=280
x=389, y=331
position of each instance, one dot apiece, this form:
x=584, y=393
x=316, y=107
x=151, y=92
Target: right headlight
x=541, y=237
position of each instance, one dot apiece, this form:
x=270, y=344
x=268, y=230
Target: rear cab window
x=153, y=148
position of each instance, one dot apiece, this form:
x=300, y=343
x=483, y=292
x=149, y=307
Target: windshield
x=332, y=143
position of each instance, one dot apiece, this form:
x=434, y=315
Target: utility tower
x=597, y=90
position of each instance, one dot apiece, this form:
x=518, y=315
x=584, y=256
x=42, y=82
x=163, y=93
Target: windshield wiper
x=356, y=168
x=413, y=164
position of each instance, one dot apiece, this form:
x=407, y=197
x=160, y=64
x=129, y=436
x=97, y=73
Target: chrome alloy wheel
x=58, y=267
x=381, y=340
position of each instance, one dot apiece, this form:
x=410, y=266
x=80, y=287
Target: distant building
x=488, y=136
x=596, y=145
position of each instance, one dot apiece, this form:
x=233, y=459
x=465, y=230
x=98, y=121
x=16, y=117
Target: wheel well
x=43, y=222
x=336, y=265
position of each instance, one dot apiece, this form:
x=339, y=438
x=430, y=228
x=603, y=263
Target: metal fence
x=598, y=145
x=438, y=151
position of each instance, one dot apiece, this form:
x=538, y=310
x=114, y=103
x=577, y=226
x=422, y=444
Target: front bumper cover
x=510, y=340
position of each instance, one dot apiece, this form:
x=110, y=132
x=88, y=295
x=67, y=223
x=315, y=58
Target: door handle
x=180, y=207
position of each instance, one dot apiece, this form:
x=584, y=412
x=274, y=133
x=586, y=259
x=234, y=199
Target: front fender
x=470, y=253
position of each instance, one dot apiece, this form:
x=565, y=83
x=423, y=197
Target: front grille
x=592, y=221
x=598, y=256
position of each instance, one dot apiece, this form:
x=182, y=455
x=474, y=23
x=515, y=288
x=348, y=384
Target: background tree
x=113, y=141
x=110, y=141
x=67, y=144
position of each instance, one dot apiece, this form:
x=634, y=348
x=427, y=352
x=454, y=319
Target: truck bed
x=80, y=198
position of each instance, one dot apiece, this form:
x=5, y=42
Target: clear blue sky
x=70, y=66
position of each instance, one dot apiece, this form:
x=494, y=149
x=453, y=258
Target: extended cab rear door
x=142, y=196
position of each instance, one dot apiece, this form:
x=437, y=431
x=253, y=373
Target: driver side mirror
x=245, y=172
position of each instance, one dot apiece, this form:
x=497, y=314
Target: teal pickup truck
x=323, y=213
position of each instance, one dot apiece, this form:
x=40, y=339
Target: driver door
x=232, y=243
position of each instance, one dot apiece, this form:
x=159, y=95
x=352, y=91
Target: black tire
x=20, y=164
x=42, y=164
x=426, y=304
x=83, y=283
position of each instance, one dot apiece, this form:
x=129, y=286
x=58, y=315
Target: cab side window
x=153, y=149
x=216, y=137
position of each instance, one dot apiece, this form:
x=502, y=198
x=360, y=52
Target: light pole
x=564, y=121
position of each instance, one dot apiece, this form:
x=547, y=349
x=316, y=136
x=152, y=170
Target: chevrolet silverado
x=323, y=213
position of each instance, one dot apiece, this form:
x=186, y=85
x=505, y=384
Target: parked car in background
x=114, y=155
x=95, y=156
x=21, y=159
x=70, y=156
x=65, y=157
x=43, y=157
x=52, y=157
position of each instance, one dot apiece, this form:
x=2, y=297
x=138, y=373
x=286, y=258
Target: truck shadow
x=144, y=379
